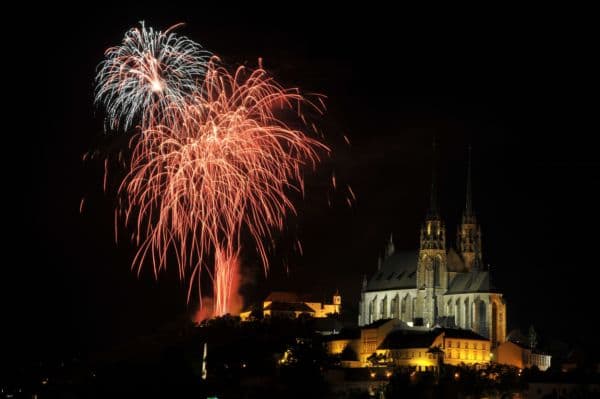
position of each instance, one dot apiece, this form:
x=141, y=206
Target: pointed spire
x=469, y=198
x=390, y=247
x=433, y=206
x=364, y=282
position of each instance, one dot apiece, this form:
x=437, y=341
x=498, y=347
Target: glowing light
x=373, y=375
x=214, y=154
x=225, y=163
x=147, y=73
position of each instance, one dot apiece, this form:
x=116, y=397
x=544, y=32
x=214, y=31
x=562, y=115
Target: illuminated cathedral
x=437, y=285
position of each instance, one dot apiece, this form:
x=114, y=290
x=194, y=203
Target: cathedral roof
x=473, y=281
x=398, y=270
x=455, y=262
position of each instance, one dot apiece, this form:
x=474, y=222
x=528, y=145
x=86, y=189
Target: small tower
x=337, y=301
x=469, y=232
x=390, y=249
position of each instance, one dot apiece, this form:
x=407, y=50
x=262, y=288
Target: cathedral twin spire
x=433, y=232
x=469, y=232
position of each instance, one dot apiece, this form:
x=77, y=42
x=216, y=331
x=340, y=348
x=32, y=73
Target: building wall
x=484, y=313
x=337, y=346
x=512, y=354
x=387, y=304
x=467, y=351
x=541, y=361
x=366, y=344
x=371, y=338
x=417, y=358
x=456, y=351
x=323, y=309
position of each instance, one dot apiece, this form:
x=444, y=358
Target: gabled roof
x=289, y=307
x=398, y=270
x=292, y=297
x=473, y=281
x=402, y=339
x=345, y=333
x=460, y=333
x=376, y=324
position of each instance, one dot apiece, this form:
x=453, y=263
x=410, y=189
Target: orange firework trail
x=221, y=162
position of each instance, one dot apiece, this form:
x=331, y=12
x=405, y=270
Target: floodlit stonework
x=437, y=285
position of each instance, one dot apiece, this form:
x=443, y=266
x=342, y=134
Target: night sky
x=516, y=88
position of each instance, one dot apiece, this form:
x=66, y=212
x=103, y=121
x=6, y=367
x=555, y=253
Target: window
x=449, y=344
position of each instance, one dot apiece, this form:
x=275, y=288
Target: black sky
x=514, y=84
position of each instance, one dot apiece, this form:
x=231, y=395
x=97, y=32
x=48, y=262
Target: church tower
x=432, y=276
x=469, y=232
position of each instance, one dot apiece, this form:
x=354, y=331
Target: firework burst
x=227, y=163
x=150, y=72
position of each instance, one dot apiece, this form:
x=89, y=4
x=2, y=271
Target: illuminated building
x=291, y=304
x=521, y=356
x=437, y=285
x=418, y=349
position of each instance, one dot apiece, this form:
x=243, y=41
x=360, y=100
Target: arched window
x=459, y=319
x=481, y=318
x=494, y=336
x=467, y=323
x=436, y=271
x=403, y=308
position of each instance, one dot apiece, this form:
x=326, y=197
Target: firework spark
x=150, y=72
x=226, y=163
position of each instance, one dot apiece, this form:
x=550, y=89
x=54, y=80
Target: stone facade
x=437, y=285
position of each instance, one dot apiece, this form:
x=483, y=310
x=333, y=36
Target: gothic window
x=494, y=336
x=384, y=309
x=467, y=314
x=481, y=311
x=459, y=318
x=372, y=310
x=393, y=314
x=403, y=307
x=436, y=271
